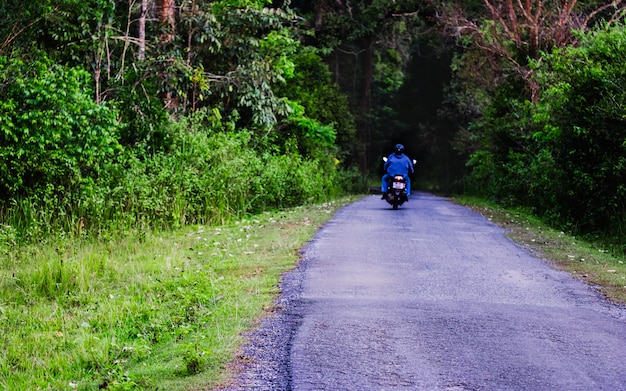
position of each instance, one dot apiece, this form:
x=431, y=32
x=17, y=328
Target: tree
x=512, y=32
x=141, y=55
x=166, y=15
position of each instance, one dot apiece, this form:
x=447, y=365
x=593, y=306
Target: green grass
x=596, y=264
x=143, y=312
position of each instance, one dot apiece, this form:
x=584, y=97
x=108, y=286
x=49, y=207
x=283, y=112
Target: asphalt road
x=432, y=297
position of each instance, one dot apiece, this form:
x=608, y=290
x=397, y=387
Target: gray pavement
x=432, y=297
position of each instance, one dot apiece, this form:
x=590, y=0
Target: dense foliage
x=95, y=90
x=140, y=114
x=547, y=132
x=55, y=138
x=582, y=135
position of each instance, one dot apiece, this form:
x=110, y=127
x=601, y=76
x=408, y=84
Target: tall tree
x=166, y=14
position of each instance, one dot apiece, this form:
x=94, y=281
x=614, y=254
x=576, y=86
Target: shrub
x=55, y=138
x=584, y=129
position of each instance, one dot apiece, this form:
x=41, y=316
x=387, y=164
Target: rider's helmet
x=398, y=149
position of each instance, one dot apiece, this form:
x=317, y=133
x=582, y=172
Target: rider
x=397, y=164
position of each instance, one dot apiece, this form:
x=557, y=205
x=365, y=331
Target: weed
x=194, y=359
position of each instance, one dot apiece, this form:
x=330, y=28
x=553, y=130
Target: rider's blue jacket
x=398, y=164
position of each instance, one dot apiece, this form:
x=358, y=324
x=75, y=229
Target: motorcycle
x=396, y=189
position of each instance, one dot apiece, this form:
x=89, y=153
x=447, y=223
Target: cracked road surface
x=432, y=297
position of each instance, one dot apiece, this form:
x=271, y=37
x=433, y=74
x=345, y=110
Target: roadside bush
x=209, y=173
x=565, y=157
x=55, y=145
x=583, y=118
x=55, y=138
x=500, y=166
x=289, y=180
x=203, y=178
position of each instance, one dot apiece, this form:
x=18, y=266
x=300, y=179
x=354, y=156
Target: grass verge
x=587, y=261
x=156, y=311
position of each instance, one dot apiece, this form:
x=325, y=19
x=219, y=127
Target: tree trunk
x=166, y=14
x=142, y=30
